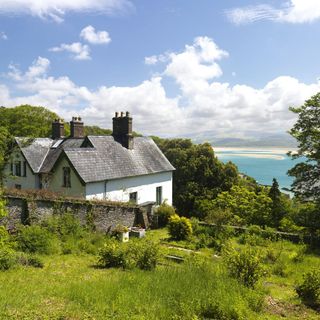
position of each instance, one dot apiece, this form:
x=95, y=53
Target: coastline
x=255, y=150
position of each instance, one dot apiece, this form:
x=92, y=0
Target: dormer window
x=66, y=177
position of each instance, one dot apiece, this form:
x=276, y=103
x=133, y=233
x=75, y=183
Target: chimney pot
x=76, y=128
x=57, y=129
x=116, y=114
x=122, y=130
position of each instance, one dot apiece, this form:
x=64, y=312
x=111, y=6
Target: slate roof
x=106, y=160
x=35, y=151
x=110, y=160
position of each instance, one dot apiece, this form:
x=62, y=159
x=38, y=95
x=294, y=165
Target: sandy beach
x=255, y=150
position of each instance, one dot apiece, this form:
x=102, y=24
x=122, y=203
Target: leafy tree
x=251, y=207
x=307, y=133
x=199, y=174
x=27, y=121
x=277, y=206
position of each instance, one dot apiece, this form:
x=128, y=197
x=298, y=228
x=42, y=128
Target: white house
x=119, y=167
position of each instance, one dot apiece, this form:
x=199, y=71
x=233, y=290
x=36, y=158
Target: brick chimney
x=57, y=129
x=76, y=128
x=122, y=129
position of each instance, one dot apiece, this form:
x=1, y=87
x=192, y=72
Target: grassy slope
x=69, y=287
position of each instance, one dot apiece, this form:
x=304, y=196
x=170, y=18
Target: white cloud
x=78, y=50
x=292, y=11
x=202, y=104
x=56, y=9
x=3, y=36
x=152, y=60
x=95, y=37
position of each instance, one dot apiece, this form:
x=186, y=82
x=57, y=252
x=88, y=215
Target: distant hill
x=276, y=140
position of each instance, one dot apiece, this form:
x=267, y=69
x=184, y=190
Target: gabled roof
x=35, y=151
x=110, y=160
x=96, y=158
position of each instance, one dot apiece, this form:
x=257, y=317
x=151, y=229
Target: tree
x=198, y=175
x=307, y=133
x=249, y=206
x=277, y=207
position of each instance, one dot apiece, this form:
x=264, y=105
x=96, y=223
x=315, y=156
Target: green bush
x=244, y=265
x=64, y=225
x=7, y=258
x=180, y=228
x=309, y=289
x=112, y=255
x=139, y=253
x=29, y=260
x=35, y=239
x=164, y=212
x=147, y=254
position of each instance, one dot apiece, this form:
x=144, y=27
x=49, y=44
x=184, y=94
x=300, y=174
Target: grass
x=71, y=287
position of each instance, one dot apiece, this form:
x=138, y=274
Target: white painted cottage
x=119, y=167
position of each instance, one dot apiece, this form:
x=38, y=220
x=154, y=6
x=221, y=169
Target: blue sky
x=223, y=68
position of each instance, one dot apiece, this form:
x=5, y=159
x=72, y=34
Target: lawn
x=71, y=287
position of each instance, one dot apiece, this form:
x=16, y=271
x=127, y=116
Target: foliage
x=138, y=253
x=7, y=258
x=96, y=131
x=277, y=206
x=35, y=239
x=164, y=212
x=209, y=212
x=180, y=228
x=112, y=255
x=244, y=265
x=307, y=133
x=198, y=174
x=27, y=121
x=29, y=260
x=251, y=207
x=309, y=289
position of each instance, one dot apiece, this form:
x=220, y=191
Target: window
x=17, y=186
x=158, y=195
x=11, y=168
x=133, y=196
x=24, y=169
x=66, y=177
x=18, y=168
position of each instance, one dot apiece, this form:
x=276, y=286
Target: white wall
x=145, y=186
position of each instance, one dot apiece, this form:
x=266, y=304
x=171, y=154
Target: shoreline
x=255, y=150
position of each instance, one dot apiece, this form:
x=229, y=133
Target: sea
x=262, y=164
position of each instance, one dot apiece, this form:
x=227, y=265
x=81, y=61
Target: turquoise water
x=262, y=165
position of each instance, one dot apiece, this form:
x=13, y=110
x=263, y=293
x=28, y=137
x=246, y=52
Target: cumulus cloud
x=3, y=36
x=56, y=9
x=152, y=60
x=202, y=104
x=95, y=37
x=293, y=11
x=78, y=50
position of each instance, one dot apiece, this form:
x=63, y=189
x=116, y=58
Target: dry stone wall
x=101, y=216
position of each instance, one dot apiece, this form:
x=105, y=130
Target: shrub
x=29, y=260
x=35, y=239
x=244, y=265
x=309, y=289
x=164, y=212
x=7, y=258
x=138, y=253
x=147, y=255
x=180, y=228
x=112, y=255
x=299, y=255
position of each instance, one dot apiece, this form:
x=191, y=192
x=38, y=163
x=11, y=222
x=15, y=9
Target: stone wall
x=101, y=216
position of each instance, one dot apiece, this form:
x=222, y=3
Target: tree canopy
x=199, y=174
x=307, y=133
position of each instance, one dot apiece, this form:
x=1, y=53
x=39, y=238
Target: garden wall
x=101, y=216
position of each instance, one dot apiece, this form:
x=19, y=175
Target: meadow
x=72, y=286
